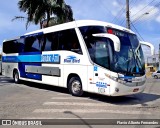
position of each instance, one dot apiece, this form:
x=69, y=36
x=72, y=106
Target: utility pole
x=159, y=58
x=127, y=15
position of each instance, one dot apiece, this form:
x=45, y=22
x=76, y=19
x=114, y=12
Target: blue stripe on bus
x=54, y=58
x=21, y=67
x=32, y=59
x=22, y=58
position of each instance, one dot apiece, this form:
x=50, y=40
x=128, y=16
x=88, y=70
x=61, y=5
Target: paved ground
x=36, y=101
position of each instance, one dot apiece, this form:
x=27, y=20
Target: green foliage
x=44, y=10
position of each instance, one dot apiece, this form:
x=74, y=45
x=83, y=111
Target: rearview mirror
x=114, y=38
x=149, y=45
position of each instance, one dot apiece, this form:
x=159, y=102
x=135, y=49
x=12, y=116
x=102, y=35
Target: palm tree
x=44, y=10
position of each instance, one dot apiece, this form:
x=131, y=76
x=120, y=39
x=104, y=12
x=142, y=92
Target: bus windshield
x=130, y=60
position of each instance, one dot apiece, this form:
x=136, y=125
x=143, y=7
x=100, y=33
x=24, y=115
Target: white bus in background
x=85, y=55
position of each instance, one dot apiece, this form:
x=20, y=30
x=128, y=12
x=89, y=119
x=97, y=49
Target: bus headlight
x=122, y=81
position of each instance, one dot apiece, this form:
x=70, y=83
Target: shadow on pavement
x=5, y=81
x=141, y=98
x=46, y=87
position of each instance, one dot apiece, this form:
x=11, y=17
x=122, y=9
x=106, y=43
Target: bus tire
x=16, y=77
x=156, y=77
x=75, y=86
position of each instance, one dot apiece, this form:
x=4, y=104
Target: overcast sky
x=145, y=20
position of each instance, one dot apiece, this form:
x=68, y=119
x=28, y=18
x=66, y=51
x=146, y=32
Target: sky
x=145, y=17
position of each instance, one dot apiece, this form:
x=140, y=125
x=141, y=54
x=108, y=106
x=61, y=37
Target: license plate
x=136, y=79
x=136, y=90
x=101, y=90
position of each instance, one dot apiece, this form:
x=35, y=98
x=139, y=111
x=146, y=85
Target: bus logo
x=50, y=58
x=71, y=59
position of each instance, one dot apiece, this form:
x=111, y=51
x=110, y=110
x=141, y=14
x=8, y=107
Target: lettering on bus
x=55, y=58
x=71, y=59
x=101, y=84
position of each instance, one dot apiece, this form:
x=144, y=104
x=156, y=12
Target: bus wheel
x=156, y=77
x=16, y=77
x=75, y=86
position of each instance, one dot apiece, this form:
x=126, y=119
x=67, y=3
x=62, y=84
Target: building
x=152, y=64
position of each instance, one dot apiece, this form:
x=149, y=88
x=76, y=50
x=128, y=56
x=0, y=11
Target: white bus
x=85, y=55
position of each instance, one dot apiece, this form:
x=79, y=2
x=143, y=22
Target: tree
x=45, y=10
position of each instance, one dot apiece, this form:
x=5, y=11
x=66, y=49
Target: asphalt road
x=36, y=101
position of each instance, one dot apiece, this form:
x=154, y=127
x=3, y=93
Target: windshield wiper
x=137, y=57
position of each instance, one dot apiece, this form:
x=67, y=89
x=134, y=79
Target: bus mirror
x=114, y=38
x=149, y=45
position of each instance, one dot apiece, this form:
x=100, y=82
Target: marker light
x=110, y=31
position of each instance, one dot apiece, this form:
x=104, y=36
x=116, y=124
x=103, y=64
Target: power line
x=109, y=12
x=133, y=3
x=122, y=10
x=118, y=14
x=147, y=12
x=143, y=8
x=137, y=31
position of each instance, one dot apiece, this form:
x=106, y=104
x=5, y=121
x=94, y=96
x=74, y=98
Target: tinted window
x=98, y=48
x=10, y=46
x=68, y=40
x=20, y=45
x=32, y=44
x=62, y=40
x=51, y=42
x=87, y=31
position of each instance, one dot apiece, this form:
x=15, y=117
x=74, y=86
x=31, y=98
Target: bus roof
x=79, y=23
x=73, y=24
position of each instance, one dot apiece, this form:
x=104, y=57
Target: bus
x=83, y=56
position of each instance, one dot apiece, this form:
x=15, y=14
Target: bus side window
x=32, y=44
x=10, y=46
x=36, y=46
x=28, y=44
x=20, y=45
x=68, y=40
x=51, y=42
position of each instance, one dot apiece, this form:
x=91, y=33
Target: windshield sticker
x=71, y=59
x=101, y=84
x=95, y=68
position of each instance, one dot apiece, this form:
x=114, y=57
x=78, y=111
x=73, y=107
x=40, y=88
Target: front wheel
x=75, y=86
x=16, y=77
x=156, y=77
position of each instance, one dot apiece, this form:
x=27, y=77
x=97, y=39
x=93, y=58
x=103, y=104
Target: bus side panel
x=99, y=83
x=91, y=79
x=7, y=68
x=51, y=80
x=80, y=70
x=25, y=59
x=21, y=67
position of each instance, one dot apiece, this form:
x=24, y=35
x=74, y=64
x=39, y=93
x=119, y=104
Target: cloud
x=104, y=10
x=158, y=18
x=115, y=4
x=140, y=13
